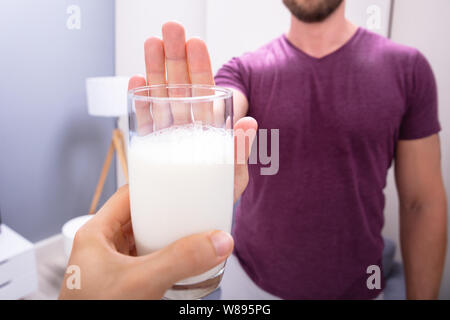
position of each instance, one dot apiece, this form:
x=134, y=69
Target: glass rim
x=220, y=93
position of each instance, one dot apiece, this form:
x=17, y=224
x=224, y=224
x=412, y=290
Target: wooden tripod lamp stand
x=107, y=97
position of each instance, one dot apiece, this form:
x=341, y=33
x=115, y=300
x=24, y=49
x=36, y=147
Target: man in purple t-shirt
x=347, y=103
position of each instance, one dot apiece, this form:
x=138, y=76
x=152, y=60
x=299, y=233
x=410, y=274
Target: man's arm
x=423, y=215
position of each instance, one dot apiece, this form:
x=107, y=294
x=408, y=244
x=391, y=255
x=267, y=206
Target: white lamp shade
x=107, y=96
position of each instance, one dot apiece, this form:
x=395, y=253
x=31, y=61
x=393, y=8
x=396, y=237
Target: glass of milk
x=181, y=170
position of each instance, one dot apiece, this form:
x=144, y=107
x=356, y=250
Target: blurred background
x=52, y=150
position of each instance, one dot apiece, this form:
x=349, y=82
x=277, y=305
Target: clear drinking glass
x=181, y=170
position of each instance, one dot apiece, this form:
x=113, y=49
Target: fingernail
x=222, y=242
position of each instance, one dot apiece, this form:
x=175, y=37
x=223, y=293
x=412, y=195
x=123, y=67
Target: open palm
x=172, y=60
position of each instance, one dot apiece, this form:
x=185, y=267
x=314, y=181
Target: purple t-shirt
x=313, y=229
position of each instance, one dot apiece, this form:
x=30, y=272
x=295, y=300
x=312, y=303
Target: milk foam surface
x=191, y=144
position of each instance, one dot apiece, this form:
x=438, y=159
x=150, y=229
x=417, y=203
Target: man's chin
x=318, y=13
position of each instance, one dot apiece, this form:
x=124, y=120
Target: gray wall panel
x=51, y=150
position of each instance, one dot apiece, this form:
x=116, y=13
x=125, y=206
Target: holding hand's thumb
x=190, y=256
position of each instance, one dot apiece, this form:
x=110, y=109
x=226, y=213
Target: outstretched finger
x=200, y=72
x=177, y=69
x=156, y=75
x=244, y=135
x=143, y=116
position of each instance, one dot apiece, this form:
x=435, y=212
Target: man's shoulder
x=265, y=55
x=388, y=50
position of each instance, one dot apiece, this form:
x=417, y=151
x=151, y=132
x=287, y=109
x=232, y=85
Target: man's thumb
x=190, y=256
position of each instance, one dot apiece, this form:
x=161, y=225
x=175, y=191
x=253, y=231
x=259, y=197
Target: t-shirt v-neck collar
x=339, y=50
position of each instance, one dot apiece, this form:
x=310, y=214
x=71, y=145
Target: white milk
x=181, y=182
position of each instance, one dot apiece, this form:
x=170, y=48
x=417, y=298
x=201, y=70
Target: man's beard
x=312, y=10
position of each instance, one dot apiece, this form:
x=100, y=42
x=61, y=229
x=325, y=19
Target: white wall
x=425, y=25
x=238, y=26
x=136, y=20
x=225, y=25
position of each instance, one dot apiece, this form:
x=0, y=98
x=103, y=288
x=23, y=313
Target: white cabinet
x=18, y=274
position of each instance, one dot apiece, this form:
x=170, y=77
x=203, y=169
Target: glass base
x=195, y=290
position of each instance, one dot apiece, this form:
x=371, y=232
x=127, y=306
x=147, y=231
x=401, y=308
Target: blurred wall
x=139, y=19
x=51, y=150
x=235, y=27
